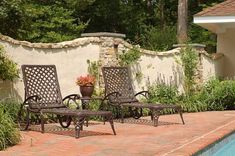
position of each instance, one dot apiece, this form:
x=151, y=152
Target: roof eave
x=214, y=19
x=214, y=23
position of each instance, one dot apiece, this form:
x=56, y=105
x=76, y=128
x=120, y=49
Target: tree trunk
x=182, y=21
x=162, y=17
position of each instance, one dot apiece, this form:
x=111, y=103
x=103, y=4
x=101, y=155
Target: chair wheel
x=65, y=121
x=136, y=113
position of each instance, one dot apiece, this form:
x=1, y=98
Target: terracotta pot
x=86, y=91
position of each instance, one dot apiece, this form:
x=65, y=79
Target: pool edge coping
x=197, y=144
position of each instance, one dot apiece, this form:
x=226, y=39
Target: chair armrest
x=71, y=98
x=143, y=93
x=34, y=98
x=110, y=94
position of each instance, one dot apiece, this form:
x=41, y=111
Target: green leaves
x=150, y=23
x=155, y=38
x=8, y=69
x=45, y=22
x=163, y=93
x=129, y=57
x=189, y=59
x=221, y=95
x=9, y=134
x=10, y=17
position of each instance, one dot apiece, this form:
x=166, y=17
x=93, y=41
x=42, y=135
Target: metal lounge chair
x=43, y=96
x=120, y=93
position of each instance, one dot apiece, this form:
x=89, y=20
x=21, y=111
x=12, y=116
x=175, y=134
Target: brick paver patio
x=169, y=138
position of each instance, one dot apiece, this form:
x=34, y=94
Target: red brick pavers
x=171, y=138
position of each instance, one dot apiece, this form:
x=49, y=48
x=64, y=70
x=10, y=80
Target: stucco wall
x=226, y=45
x=71, y=62
x=160, y=68
x=212, y=66
x=71, y=58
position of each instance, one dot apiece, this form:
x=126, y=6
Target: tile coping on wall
x=117, y=39
x=103, y=34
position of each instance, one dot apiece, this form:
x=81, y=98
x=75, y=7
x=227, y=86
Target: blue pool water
x=223, y=147
x=227, y=150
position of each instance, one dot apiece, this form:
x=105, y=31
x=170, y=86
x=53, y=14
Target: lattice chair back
x=42, y=81
x=118, y=79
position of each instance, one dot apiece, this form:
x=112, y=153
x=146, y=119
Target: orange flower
x=87, y=80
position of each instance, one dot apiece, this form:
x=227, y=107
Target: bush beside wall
x=215, y=95
x=9, y=133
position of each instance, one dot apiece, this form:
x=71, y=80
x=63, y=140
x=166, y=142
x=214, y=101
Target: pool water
x=223, y=147
x=228, y=149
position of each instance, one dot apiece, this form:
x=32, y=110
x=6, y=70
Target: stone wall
x=71, y=57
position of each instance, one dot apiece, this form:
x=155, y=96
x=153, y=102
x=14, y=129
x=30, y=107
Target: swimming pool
x=222, y=147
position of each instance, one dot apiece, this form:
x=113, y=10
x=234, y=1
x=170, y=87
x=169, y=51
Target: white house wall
x=226, y=45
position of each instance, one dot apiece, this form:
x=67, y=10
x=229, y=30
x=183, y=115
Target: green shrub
x=11, y=107
x=8, y=69
x=9, y=134
x=199, y=35
x=222, y=96
x=210, y=85
x=163, y=93
x=194, y=102
x=155, y=38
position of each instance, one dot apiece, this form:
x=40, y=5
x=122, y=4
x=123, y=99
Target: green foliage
x=49, y=22
x=214, y=95
x=129, y=57
x=189, y=60
x=95, y=104
x=221, y=95
x=210, y=85
x=148, y=23
x=93, y=69
x=11, y=107
x=11, y=14
x=9, y=134
x=199, y=35
x=8, y=69
x=195, y=102
x=163, y=93
x=155, y=38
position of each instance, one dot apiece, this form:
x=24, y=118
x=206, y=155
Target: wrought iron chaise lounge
x=43, y=96
x=120, y=93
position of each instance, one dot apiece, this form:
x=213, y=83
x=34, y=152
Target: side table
x=85, y=104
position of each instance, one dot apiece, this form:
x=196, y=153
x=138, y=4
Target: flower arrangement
x=87, y=80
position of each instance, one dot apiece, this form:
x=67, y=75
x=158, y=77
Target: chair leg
x=104, y=119
x=181, y=115
x=112, y=125
x=151, y=115
x=122, y=115
x=156, y=115
x=27, y=120
x=87, y=122
x=42, y=122
x=78, y=127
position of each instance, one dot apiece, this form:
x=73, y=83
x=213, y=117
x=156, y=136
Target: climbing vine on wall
x=129, y=57
x=93, y=69
x=189, y=60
